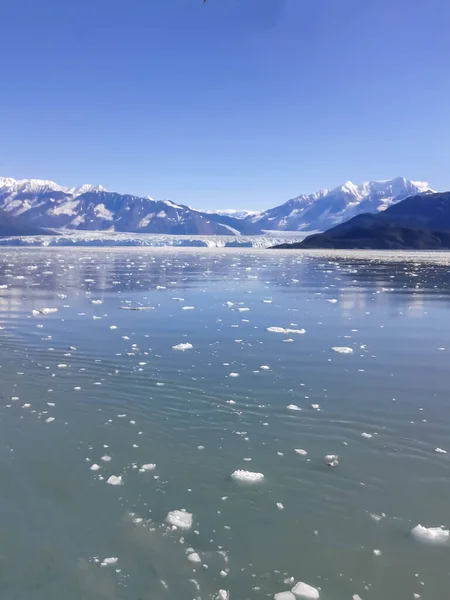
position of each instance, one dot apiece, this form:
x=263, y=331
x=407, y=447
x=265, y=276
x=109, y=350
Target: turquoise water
x=92, y=382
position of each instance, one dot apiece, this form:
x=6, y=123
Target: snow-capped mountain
x=31, y=205
x=328, y=208
x=34, y=204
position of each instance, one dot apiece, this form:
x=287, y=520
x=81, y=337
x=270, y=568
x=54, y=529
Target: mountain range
x=417, y=223
x=32, y=206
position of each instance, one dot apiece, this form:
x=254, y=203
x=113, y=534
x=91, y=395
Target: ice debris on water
x=109, y=561
x=247, y=476
x=223, y=595
x=147, y=467
x=342, y=349
x=115, y=480
x=332, y=460
x=366, y=435
x=285, y=331
x=431, y=535
x=300, y=451
x=95, y=467
x=194, y=557
x=284, y=596
x=440, y=451
x=293, y=407
x=44, y=311
x=303, y=590
x=180, y=518
x=182, y=347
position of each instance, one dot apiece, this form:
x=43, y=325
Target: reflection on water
x=92, y=393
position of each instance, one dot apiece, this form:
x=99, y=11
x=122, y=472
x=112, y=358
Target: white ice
x=284, y=596
x=183, y=347
x=342, y=349
x=115, y=480
x=247, y=476
x=301, y=451
x=194, y=557
x=283, y=330
x=430, y=535
x=303, y=590
x=147, y=467
x=179, y=518
x=109, y=561
x=293, y=407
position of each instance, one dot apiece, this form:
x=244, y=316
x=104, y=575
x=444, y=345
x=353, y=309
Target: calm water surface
x=94, y=384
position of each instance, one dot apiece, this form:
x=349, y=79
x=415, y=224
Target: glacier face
x=30, y=206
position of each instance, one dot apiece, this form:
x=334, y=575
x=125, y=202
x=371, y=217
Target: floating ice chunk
x=231, y=402
x=377, y=552
x=182, y=347
x=285, y=331
x=342, y=349
x=95, y=467
x=115, y=480
x=264, y=368
x=332, y=300
x=293, y=407
x=187, y=307
x=430, y=535
x=303, y=590
x=300, y=451
x=440, y=451
x=62, y=366
x=315, y=406
x=247, y=476
x=179, y=518
x=96, y=301
x=44, y=311
x=109, y=561
x=284, y=596
x=106, y=458
x=366, y=435
x=147, y=467
x=223, y=595
x=280, y=506
x=194, y=557
x=356, y=597
x=331, y=460
x=112, y=327
x=50, y=420
x=233, y=375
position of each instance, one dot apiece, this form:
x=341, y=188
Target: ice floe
x=331, y=460
x=285, y=331
x=180, y=518
x=431, y=535
x=342, y=349
x=304, y=590
x=247, y=476
x=109, y=561
x=115, y=480
x=293, y=407
x=183, y=346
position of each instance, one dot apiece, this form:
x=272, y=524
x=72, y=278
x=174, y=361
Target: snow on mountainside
x=328, y=208
x=31, y=206
x=34, y=204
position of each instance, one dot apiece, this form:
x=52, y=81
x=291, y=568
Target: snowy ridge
x=29, y=206
x=328, y=208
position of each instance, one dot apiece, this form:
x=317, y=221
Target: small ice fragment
x=366, y=435
x=377, y=552
x=342, y=349
x=62, y=366
x=315, y=406
x=303, y=590
x=264, y=368
x=284, y=596
x=356, y=597
x=332, y=300
x=182, y=347
x=147, y=467
x=50, y=420
x=300, y=451
x=179, y=518
x=194, y=557
x=44, y=311
x=106, y=458
x=231, y=402
x=293, y=407
x=280, y=506
x=284, y=330
x=112, y=327
x=187, y=308
x=109, y=561
x=430, y=535
x=223, y=595
x=115, y=480
x=247, y=476
x=200, y=447
x=95, y=467
x=233, y=375
x=332, y=460
x=440, y=451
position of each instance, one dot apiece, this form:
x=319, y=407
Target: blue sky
x=232, y=103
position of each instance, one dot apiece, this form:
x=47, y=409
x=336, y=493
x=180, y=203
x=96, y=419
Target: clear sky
x=232, y=103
